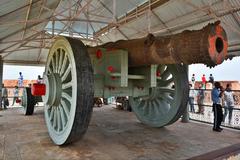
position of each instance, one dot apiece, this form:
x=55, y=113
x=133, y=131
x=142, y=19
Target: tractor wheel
x=28, y=101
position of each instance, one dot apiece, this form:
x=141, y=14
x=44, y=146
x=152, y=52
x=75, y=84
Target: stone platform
x=112, y=135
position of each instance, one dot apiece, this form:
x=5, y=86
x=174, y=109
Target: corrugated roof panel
x=171, y=10
x=10, y=5
x=231, y=27
x=176, y=15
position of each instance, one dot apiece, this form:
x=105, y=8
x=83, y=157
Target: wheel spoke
x=162, y=107
x=165, y=89
x=57, y=61
x=66, y=73
x=58, y=120
x=53, y=63
x=63, y=119
x=54, y=118
x=168, y=98
x=49, y=70
x=165, y=74
x=60, y=61
x=67, y=85
x=155, y=107
x=65, y=108
x=151, y=108
x=63, y=64
x=67, y=97
x=159, y=106
x=51, y=114
x=162, y=83
x=145, y=108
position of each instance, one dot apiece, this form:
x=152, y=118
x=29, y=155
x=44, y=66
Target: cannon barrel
x=207, y=46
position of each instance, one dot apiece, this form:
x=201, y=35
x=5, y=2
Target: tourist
x=20, y=80
x=15, y=94
x=39, y=80
x=5, y=97
x=216, y=94
x=191, y=98
x=200, y=99
x=193, y=80
x=204, y=81
x=229, y=103
x=211, y=79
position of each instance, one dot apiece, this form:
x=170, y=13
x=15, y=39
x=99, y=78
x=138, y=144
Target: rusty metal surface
x=207, y=46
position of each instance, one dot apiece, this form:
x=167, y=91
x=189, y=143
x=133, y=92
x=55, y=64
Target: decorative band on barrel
x=218, y=44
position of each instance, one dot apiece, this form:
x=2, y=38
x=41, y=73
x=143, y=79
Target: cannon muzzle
x=208, y=46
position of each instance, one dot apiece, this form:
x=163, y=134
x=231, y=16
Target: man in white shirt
x=191, y=98
x=20, y=80
x=229, y=103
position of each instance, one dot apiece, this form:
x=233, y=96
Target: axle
x=207, y=46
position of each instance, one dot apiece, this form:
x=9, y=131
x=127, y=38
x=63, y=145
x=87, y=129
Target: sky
x=228, y=70
x=28, y=72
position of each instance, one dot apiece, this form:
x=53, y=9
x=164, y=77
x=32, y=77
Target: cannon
x=152, y=71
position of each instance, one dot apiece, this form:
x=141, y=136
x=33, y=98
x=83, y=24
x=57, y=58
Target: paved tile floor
x=112, y=135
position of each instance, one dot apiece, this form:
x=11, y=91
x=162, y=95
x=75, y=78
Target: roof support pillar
x=185, y=116
x=1, y=79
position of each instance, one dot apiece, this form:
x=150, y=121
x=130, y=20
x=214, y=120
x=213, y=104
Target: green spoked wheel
x=166, y=102
x=69, y=90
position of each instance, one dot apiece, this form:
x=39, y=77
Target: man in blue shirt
x=217, y=107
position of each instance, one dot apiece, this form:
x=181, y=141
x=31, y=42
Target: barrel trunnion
x=152, y=71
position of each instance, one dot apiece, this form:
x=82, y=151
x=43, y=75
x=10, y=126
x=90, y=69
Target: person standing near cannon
x=15, y=95
x=191, y=98
x=204, y=81
x=193, y=80
x=200, y=99
x=211, y=79
x=20, y=80
x=5, y=97
x=216, y=94
x=229, y=103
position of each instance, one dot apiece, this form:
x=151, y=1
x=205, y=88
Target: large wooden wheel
x=69, y=90
x=166, y=102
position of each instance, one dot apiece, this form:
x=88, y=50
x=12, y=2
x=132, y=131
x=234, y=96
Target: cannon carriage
x=152, y=71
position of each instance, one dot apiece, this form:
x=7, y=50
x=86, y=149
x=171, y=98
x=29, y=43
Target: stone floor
x=112, y=135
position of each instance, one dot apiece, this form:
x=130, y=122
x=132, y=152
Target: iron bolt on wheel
x=166, y=102
x=69, y=90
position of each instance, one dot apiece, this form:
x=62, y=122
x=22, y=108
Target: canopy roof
x=28, y=27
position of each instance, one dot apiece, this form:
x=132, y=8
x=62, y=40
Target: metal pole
x=185, y=116
x=1, y=79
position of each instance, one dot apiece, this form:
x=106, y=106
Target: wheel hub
x=53, y=89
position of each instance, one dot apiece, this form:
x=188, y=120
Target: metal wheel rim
x=164, y=103
x=60, y=71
